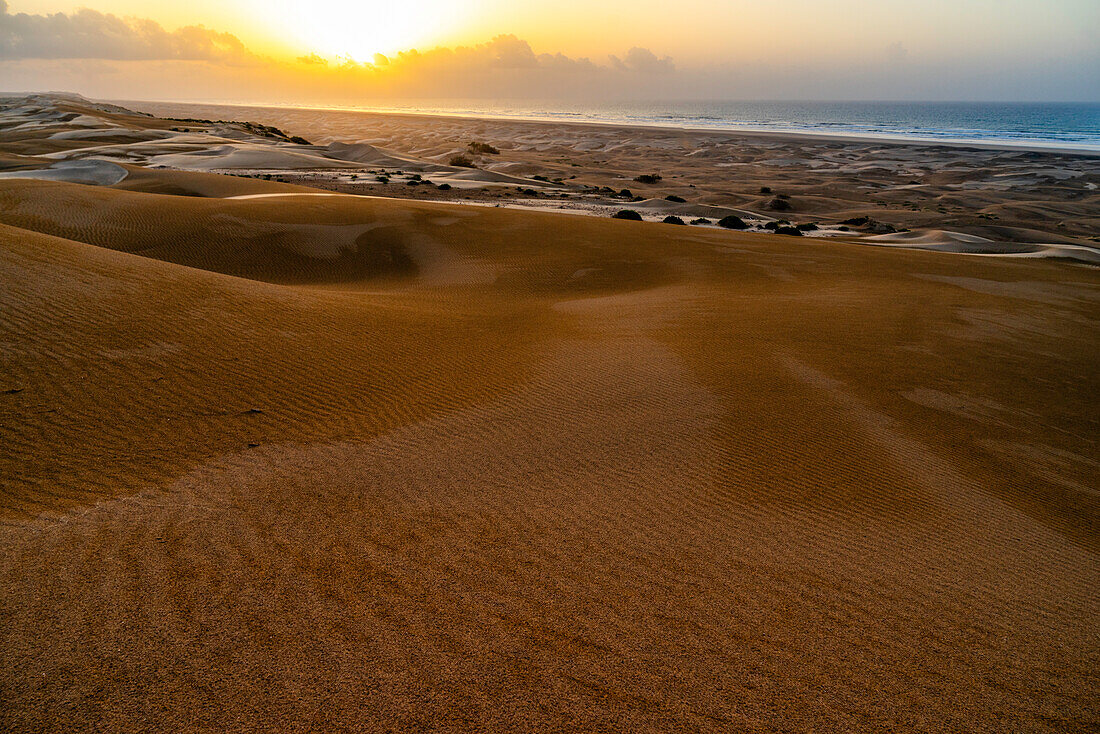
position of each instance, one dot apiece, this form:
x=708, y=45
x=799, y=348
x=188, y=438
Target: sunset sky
x=328, y=50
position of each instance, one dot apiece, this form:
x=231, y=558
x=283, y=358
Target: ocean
x=1054, y=125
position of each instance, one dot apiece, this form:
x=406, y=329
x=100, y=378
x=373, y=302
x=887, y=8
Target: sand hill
x=315, y=463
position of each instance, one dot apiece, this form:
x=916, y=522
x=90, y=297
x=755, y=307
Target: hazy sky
x=324, y=51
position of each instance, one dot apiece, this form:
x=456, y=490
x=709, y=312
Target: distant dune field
x=302, y=463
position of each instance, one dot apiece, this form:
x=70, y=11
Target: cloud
x=503, y=52
x=200, y=62
x=88, y=34
x=643, y=61
x=505, y=66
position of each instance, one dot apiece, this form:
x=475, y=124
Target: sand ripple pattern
x=560, y=475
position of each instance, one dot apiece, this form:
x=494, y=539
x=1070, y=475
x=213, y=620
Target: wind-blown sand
x=306, y=463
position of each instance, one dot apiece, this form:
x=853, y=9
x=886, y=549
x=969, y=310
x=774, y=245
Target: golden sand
x=320, y=464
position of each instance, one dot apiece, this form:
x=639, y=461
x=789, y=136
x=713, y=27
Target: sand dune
x=959, y=188
x=959, y=242
x=88, y=172
x=321, y=463
x=247, y=156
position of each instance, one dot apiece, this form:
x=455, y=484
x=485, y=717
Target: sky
x=363, y=52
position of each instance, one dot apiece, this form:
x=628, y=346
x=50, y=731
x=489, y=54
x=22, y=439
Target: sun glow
x=358, y=29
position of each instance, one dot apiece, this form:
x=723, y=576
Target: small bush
x=700, y=220
x=626, y=194
x=672, y=220
x=627, y=214
x=482, y=148
x=808, y=227
x=765, y=189
x=444, y=187
x=461, y=161
x=299, y=140
x=794, y=231
x=648, y=178
x=676, y=199
x=732, y=222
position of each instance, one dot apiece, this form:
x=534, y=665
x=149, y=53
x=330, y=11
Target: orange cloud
x=88, y=34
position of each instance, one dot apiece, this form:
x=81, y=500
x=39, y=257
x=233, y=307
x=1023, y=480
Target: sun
x=358, y=29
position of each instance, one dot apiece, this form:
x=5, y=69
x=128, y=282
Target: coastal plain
x=281, y=457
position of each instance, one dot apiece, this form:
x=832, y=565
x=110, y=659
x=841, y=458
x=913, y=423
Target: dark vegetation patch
x=478, y=147
x=732, y=222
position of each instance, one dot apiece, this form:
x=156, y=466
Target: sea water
x=1054, y=125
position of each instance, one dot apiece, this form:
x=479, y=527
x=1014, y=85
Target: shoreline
x=748, y=132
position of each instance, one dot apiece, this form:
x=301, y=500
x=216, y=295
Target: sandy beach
x=412, y=458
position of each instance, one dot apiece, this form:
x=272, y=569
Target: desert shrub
x=648, y=178
x=444, y=187
x=626, y=194
x=461, y=161
x=789, y=230
x=675, y=199
x=482, y=148
x=808, y=227
x=765, y=189
x=700, y=220
x=299, y=140
x=627, y=214
x=672, y=220
x=732, y=222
